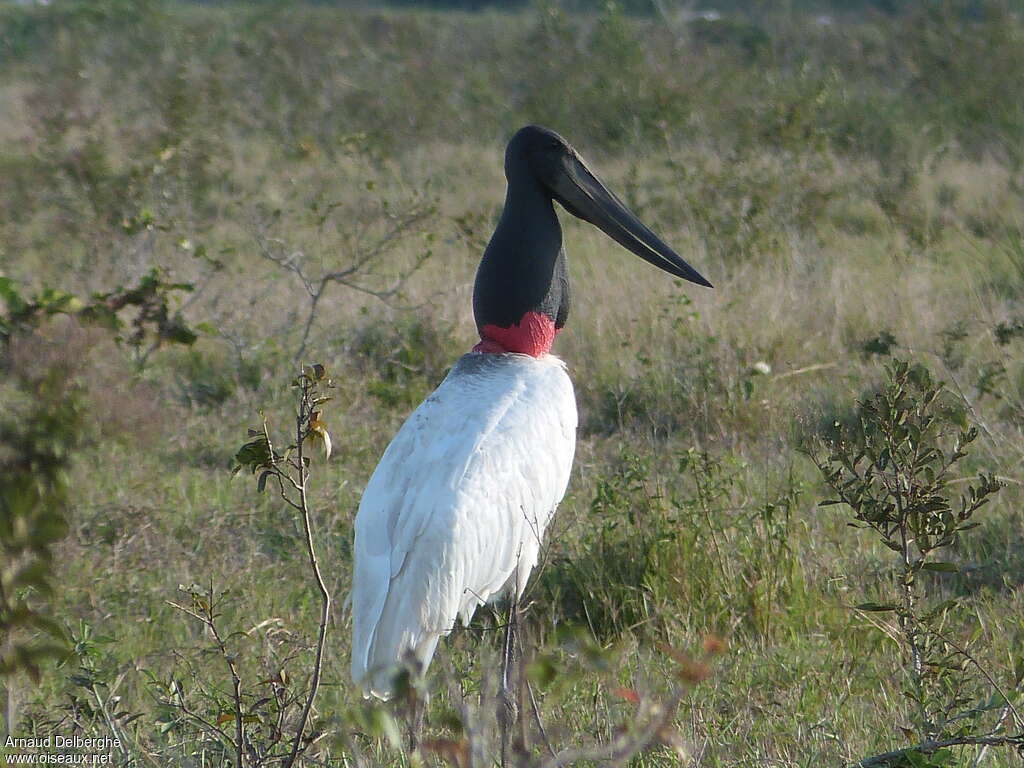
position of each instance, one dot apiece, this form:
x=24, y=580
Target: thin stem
x=236, y=683
x=123, y=740
x=908, y=626
x=505, y=703
x=305, y=409
x=991, y=680
x=202, y=722
x=208, y=620
x=314, y=300
x=999, y=724
x=703, y=492
x=906, y=616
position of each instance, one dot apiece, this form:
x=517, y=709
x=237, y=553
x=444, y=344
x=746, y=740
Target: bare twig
x=358, y=273
x=111, y=724
x=536, y=717
x=806, y=369
x=1017, y=721
x=933, y=745
x=999, y=723
x=236, y=686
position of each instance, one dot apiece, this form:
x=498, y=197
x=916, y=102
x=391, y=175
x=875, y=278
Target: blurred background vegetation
x=850, y=176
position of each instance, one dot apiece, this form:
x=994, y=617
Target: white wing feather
x=455, y=511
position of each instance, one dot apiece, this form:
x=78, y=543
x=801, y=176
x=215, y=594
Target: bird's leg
x=522, y=745
x=508, y=657
x=411, y=699
x=413, y=723
x=506, y=701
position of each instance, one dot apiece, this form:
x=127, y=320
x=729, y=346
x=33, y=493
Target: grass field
x=853, y=186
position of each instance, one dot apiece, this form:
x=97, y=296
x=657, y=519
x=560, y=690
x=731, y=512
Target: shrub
x=893, y=467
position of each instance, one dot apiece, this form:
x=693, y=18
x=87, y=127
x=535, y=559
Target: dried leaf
x=714, y=645
x=690, y=671
x=451, y=751
x=627, y=694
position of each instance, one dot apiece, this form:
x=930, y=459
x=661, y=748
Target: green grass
x=834, y=182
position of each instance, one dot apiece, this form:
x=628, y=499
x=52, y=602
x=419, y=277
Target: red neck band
x=532, y=335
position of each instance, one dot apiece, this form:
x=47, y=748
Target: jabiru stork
x=455, y=512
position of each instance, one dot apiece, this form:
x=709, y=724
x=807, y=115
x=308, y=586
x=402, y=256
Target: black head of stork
x=521, y=294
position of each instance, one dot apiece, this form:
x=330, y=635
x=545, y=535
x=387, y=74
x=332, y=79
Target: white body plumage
x=454, y=514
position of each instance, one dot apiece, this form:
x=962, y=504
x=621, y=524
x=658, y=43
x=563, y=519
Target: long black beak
x=584, y=196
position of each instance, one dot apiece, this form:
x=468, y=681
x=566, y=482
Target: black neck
x=523, y=268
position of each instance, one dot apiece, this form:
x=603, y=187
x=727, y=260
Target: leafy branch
x=45, y=422
x=288, y=470
x=917, y=755
x=151, y=299
x=37, y=443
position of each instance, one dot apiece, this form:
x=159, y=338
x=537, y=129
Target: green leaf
x=941, y=608
x=254, y=454
x=940, y=758
x=382, y=725
x=940, y=566
x=874, y=607
x=179, y=333
x=31, y=575
x=995, y=701
x=12, y=298
x=542, y=671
